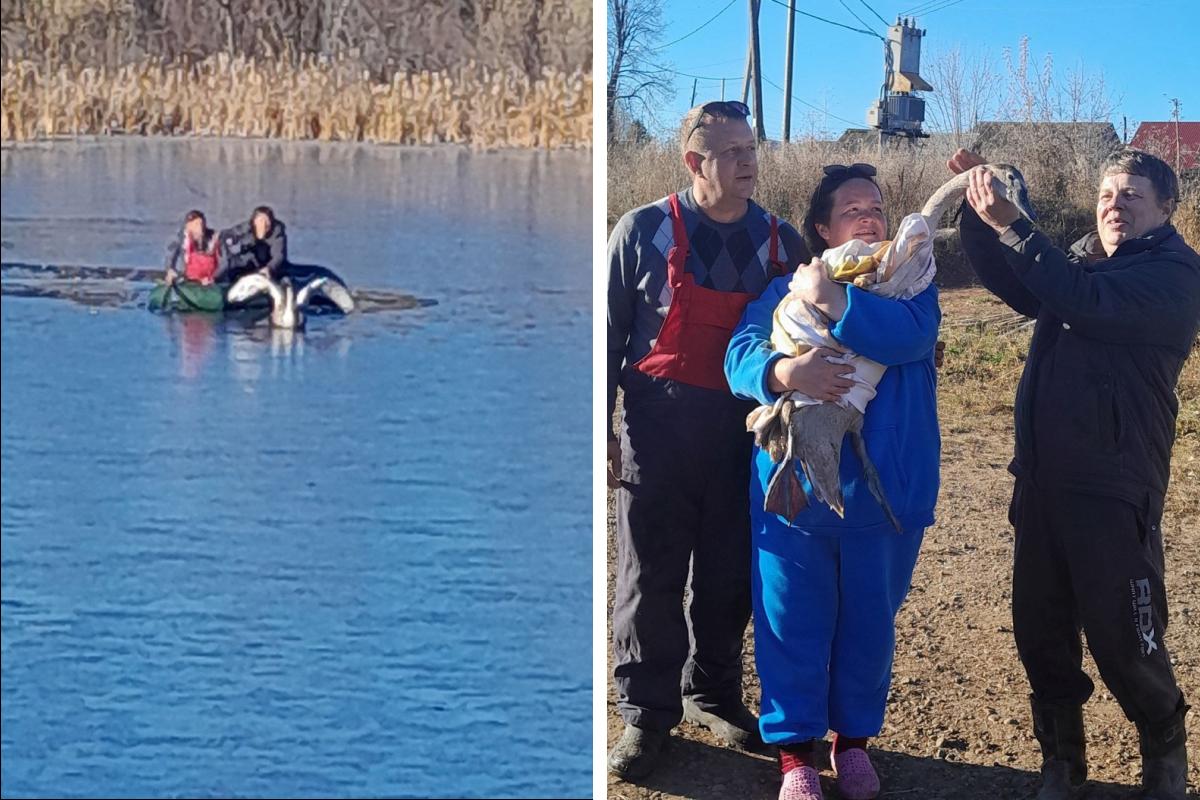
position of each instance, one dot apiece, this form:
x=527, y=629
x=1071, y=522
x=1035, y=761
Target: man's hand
x=812, y=374
x=995, y=211
x=811, y=283
x=614, y=463
x=963, y=160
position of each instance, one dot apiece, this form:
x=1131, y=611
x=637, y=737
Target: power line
x=697, y=30
x=690, y=75
x=829, y=21
x=865, y=24
x=876, y=13
x=919, y=8
x=929, y=11
x=930, y=7
x=953, y=2
x=813, y=106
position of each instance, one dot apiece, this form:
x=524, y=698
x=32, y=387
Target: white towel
x=906, y=270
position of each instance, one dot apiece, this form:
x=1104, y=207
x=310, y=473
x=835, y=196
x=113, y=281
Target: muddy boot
x=732, y=723
x=637, y=752
x=1164, y=758
x=1059, y=731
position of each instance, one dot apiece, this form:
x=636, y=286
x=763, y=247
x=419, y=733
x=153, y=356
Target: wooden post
x=787, y=71
x=693, y=103
x=1175, y=103
x=759, y=131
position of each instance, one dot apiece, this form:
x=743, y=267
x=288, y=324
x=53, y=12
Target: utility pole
x=722, y=88
x=787, y=71
x=749, y=56
x=759, y=132
x=1175, y=114
x=693, y=103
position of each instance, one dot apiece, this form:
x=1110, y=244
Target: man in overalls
x=681, y=270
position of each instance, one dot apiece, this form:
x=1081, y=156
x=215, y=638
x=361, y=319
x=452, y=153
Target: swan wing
x=329, y=288
x=249, y=286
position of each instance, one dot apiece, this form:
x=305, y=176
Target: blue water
x=351, y=562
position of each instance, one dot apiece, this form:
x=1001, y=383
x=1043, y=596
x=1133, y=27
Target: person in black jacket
x=259, y=245
x=1095, y=421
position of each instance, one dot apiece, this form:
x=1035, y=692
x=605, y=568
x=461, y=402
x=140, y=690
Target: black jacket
x=246, y=252
x=1096, y=406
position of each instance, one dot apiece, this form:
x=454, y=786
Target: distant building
x=1159, y=138
x=1093, y=136
x=1000, y=139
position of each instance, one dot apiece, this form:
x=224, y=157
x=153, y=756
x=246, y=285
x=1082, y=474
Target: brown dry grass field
x=957, y=725
x=323, y=101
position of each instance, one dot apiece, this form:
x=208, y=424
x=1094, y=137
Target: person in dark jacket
x=1095, y=420
x=259, y=245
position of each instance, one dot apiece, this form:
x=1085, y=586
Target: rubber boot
x=1164, y=757
x=731, y=722
x=637, y=752
x=1059, y=731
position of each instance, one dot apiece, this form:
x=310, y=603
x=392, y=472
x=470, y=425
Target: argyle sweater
x=727, y=257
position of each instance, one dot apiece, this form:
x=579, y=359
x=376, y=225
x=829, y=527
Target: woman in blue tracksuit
x=827, y=589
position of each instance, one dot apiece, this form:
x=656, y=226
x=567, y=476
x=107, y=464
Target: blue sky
x=1146, y=52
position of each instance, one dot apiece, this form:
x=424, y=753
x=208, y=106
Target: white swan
x=287, y=309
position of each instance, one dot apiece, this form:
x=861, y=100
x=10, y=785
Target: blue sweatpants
x=824, y=627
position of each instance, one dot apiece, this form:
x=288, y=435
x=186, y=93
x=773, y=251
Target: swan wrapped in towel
x=798, y=428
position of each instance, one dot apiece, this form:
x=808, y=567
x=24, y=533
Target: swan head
x=1015, y=188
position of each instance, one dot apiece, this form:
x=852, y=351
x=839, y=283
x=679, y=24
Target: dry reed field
x=1062, y=172
x=482, y=73
x=219, y=96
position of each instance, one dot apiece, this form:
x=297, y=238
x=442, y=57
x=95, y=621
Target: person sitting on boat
x=258, y=245
x=198, y=244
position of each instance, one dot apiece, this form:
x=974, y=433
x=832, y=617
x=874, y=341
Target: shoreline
x=334, y=144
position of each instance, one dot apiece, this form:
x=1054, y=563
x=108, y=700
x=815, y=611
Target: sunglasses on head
x=725, y=108
x=858, y=170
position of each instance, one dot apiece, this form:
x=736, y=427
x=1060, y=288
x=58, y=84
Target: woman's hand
x=811, y=283
x=811, y=373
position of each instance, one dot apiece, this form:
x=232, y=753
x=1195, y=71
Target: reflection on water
x=246, y=561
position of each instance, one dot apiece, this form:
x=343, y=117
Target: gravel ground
x=958, y=723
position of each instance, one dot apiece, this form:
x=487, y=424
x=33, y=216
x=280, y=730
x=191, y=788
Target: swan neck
x=948, y=194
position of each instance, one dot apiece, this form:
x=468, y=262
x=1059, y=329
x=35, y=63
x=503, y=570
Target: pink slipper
x=856, y=778
x=801, y=783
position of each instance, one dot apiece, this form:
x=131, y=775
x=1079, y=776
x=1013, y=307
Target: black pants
x=1094, y=564
x=684, y=496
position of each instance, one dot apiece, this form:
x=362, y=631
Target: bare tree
x=964, y=91
x=633, y=79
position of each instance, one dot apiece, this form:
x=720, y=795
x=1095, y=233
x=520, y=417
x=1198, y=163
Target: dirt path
x=957, y=725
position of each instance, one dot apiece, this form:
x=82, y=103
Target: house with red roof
x=1159, y=138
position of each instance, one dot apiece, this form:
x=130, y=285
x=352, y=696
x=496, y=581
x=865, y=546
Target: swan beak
x=1023, y=205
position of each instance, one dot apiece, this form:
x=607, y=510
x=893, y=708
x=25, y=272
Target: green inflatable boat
x=185, y=296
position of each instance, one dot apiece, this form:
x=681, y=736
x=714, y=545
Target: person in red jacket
x=197, y=244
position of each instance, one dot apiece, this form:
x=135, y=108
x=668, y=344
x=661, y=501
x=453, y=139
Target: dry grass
x=328, y=101
x=1062, y=175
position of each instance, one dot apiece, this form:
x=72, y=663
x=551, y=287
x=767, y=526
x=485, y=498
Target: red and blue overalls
x=683, y=499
